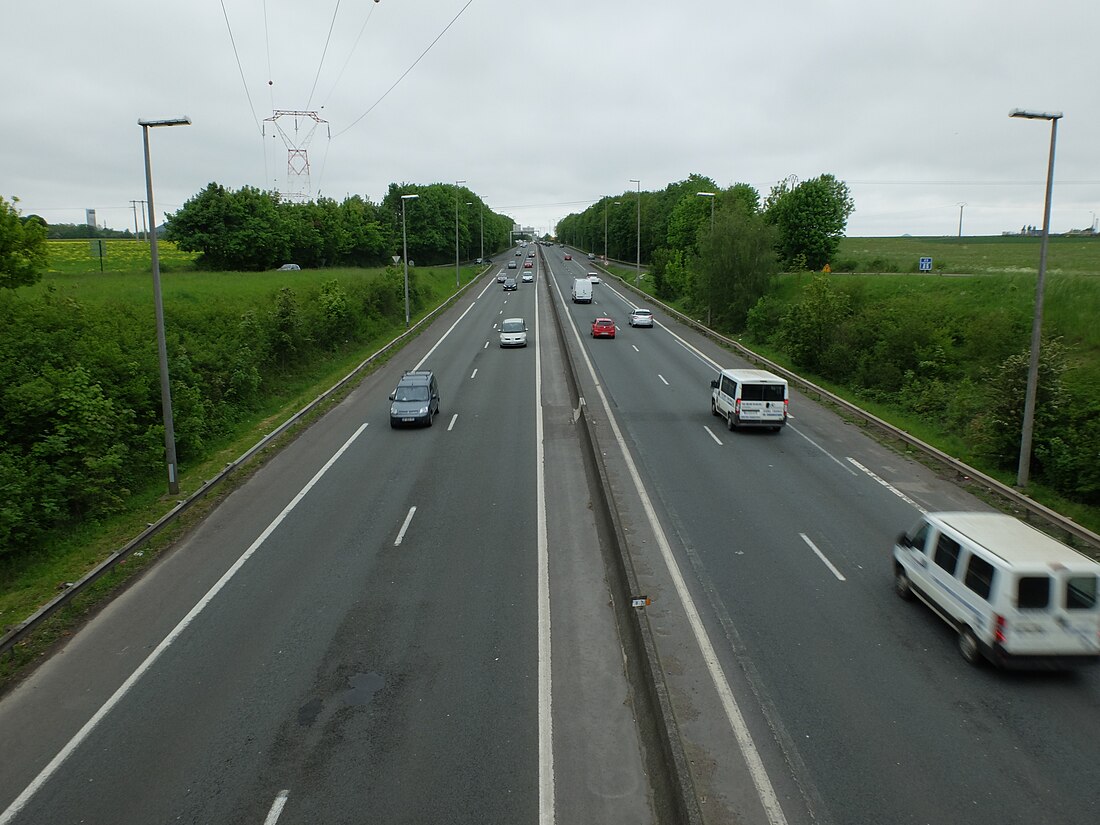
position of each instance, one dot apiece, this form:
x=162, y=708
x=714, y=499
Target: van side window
x=979, y=576
x=728, y=387
x=947, y=553
x=1081, y=593
x=1033, y=592
x=920, y=538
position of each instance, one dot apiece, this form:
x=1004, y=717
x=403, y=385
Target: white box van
x=1015, y=595
x=749, y=398
x=582, y=291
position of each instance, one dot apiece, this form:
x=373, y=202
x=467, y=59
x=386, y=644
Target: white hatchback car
x=594, y=277
x=513, y=332
x=641, y=318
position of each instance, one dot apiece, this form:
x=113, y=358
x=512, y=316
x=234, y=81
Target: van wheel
x=901, y=584
x=968, y=646
x=713, y=408
x=729, y=422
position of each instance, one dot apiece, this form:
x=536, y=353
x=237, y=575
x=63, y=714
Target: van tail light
x=786, y=405
x=1000, y=627
x=737, y=406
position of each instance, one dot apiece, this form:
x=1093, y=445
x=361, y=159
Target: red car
x=527, y=264
x=603, y=328
x=568, y=257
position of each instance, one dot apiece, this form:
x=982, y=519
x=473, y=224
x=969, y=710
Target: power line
x=351, y=52
x=324, y=52
x=413, y=66
x=241, y=69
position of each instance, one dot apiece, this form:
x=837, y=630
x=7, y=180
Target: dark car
x=416, y=399
x=510, y=283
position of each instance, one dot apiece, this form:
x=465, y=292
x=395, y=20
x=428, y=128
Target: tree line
x=251, y=230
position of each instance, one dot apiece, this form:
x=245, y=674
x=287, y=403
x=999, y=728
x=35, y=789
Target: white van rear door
x=1056, y=615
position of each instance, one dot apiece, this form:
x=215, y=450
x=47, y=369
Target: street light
x=712, y=196
x=1024, y=467
x=638, y=248
x=405, y=250
x=162, y=347
x=458, y=183
x=481, y=214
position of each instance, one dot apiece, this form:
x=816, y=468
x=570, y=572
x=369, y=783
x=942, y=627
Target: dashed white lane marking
x=487, y=343
x=662, y=378
x=822, y=556
x=635, y=348
x=472, y=374
x=889, y=486
x=712, y=435
x=451, y=426
x=277, y=808
x=401, y=535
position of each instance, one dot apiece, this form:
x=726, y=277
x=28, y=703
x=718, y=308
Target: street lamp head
x=706, y=194
x=1035, y=115
x=409, y=197
x=171, y=121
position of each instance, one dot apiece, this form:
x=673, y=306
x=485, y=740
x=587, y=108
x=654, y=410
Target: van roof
x=1013, y=541
x=754, y=376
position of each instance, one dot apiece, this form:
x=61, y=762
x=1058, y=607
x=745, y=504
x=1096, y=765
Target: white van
x=749, y=398
x=1015, y=595
x=582, y=291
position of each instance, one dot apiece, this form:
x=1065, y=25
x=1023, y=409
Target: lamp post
x=1024, y=467
x=458, y=183
x=961, y=205
x=638, y=247
x=162, y=347
x=405, y=255
x=481, y=214
x=712, y=196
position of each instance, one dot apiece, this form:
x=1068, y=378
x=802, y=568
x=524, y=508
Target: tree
x=22, y=247
x=811, y=219
x=735, y=266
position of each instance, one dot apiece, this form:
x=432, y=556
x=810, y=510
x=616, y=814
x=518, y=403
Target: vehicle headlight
x=423, y=410
x=393, y=410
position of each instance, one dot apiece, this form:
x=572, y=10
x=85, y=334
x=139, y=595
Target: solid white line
x=451, y=426
x=108, y=706
x=401, y=533
x=662, y=378
x=546, y=705
x=712, y=435
x=765, y=791
x=443, y=337
x=821, y=556
x=889, y=486
x=472, y=374
x=277, y=808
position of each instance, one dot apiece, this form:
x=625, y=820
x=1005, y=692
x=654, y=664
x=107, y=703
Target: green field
x=80, y=256
x=1071, y=255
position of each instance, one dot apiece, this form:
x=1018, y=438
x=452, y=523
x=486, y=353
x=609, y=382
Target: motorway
x=821, y=696
x=363, y=631
x=415, y=625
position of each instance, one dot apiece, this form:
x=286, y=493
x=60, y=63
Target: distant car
x=512, y=265
x=531, y=254
x=510, y=284
x=478, y=261
x=568, y=257
x=416, y=399
x=594, y=277
x=487, y=260
x=501, y=277
x=528, y=277
x=513, y=332
x=591, y=256
x=289, y=268
x=527, y=264
x=641, y=318
x=603, y=328
x=518, y=253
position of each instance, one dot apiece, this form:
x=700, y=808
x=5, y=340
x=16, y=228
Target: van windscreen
x=763, y=392
x=1081, y=593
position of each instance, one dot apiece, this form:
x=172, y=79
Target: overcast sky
x=542, y=107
